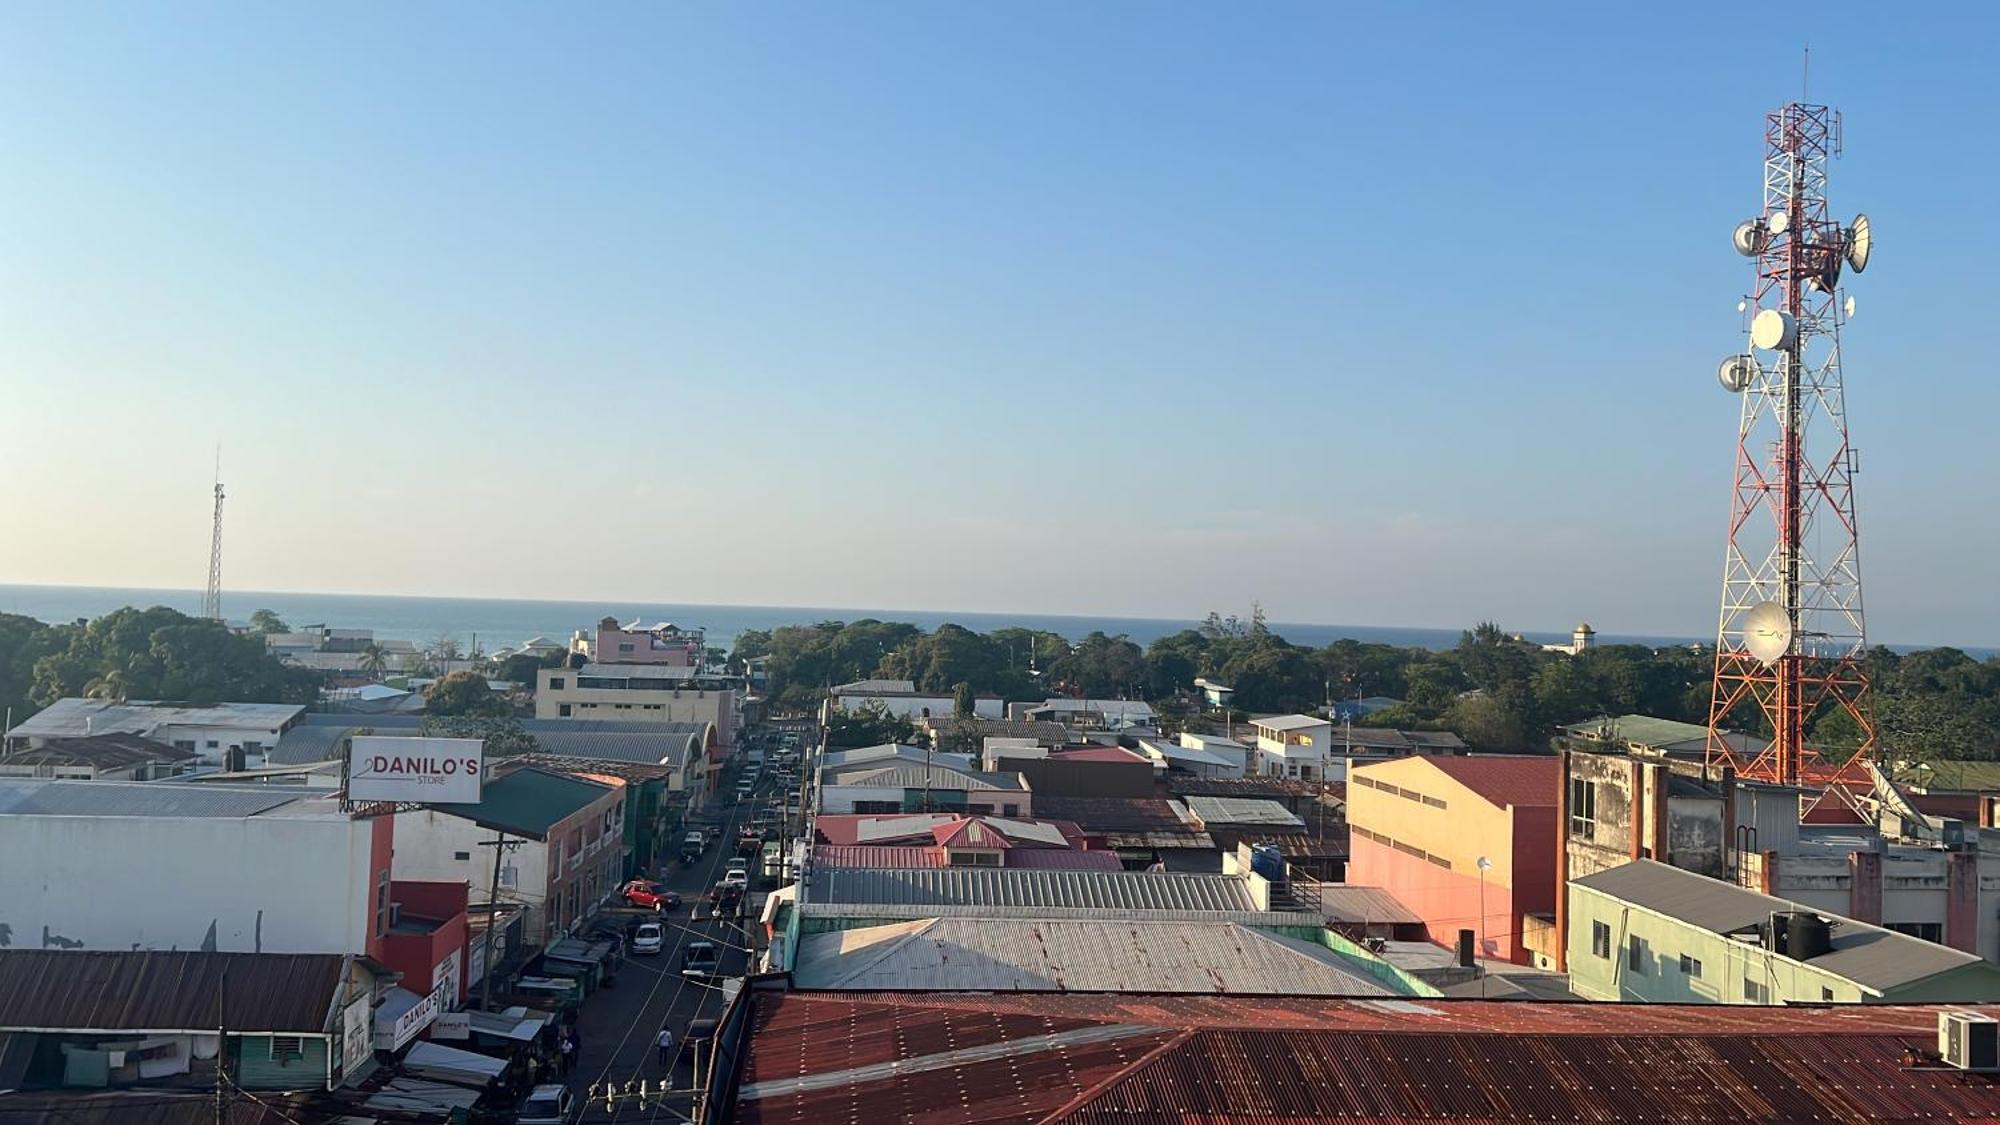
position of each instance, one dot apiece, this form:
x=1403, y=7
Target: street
x=618, y=1027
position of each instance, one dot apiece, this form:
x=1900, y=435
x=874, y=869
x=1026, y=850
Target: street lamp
x=1482, y=863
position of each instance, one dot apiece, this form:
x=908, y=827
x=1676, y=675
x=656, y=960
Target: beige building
x=640, y=693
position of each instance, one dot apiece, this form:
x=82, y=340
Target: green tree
x=264, y=621
x=374, y=660
x=163, y=654
x=503, y=734
x=463, y=693
x=110, y=687
x=868, y=725
x=962, y=700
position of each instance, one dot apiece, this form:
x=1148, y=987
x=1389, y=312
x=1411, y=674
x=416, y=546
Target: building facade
x=220, y=733
x=559, y=840
x=158, y=865
x=1464, y=842
x=658, y=693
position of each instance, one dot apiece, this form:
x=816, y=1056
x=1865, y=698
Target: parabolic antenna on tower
x=1767, y=632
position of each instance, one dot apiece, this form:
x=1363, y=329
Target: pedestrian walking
x=568, y=1055
x=666, y=1045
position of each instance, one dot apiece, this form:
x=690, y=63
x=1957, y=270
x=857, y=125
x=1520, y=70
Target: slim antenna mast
x=211, y=603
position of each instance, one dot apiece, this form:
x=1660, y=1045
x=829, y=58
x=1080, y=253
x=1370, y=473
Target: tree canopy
x=130, y=653
x=463, y=693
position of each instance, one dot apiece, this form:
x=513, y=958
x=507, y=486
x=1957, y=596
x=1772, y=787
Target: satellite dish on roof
x=1860, y=240
x=1773, y=330
x=1737, y=373
x=1750, y=238
x=1767, y=632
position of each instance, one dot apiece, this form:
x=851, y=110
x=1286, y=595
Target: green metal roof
x=1638, y=730
x=528, y=802
x=1943, y=776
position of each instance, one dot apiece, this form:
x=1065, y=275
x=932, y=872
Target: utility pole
x=221, y=1052
x=499, y=844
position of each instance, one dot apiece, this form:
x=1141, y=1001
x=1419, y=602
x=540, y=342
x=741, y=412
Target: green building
x=1649, y=932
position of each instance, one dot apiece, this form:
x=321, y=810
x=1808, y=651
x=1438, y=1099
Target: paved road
x=618, y=1026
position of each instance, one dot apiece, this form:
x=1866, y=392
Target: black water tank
x=1808, y=936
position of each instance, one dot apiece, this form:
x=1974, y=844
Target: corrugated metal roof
x=915, y=776
x=970, y=886
x=1517, y=780
x=318, y=735
x=99, y=751
x=32, y=797
x=1212, y=811
x=1116, y=814
x=1062, y=956
x=1191, y=1059
x=76, y=717
x=1868, y=955
x=150, y=991
x=151, y=1105
x=528, y=802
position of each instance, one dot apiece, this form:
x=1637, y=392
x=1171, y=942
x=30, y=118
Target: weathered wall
x=279, y=884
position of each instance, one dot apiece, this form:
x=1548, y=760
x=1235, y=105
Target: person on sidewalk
x=568, y=1055
x=666, y=1045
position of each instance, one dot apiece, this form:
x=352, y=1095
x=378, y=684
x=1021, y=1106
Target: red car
x=650, y=896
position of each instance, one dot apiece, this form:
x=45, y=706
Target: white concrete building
x=115, y=865
x=657, y=693
x=210, y=731
x=1293, y=746
x=907, y=787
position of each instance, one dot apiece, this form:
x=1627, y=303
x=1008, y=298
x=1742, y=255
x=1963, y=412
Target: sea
x=500, y=623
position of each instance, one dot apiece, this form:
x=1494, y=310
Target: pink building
x=1420, y=828
x=640, y=643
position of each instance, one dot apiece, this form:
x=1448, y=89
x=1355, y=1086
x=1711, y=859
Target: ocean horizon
x=502, y=622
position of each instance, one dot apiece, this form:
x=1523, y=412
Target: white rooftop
x=75, y=718
x=1290, y=722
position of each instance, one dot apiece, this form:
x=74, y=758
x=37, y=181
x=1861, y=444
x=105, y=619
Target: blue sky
x=1376, y=316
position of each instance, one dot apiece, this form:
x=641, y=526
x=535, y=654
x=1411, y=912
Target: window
x=1600, y=939
x=287, y=1048
x=1826, y=994
x=1755, y=993
x=1010, y=810
x=184, y=744
x=878, y=806
x=212, y=744
x=555, y=856
x=556, y=683
x=461, y=856
x=562, y=710
x=1582, y=808
x=624, y=646
x=382, y=904
x=1929, y=931
x=1690, y=966
x=974, y=859
x=1635, y=954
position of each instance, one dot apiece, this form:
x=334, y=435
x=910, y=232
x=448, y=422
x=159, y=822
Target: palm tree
x=374, y=661
x=110, y=687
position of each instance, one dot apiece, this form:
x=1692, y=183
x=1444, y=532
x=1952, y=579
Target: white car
x=738, y=879
x=650, y=937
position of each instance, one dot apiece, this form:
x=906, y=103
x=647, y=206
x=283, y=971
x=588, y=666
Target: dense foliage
x=1494, y=691
x=130, y=653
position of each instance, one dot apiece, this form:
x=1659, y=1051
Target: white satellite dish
x=1779, y=222
x=1750, y=238
x=1737, y=373
x=1860, y=240
x=1849, y=308
x=1773, y=330
x=1742, y=305
x=1767, y=632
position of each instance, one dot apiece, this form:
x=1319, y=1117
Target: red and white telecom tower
x=1791, y=642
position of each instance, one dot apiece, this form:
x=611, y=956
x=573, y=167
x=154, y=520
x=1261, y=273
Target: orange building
x=1420, y=826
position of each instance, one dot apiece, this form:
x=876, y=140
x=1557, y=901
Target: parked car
x=550, y=1104
x=724, y=897
x=701, y=959
x=650, y=896
x=651, y=937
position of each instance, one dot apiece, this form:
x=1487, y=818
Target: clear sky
x=1386, y=314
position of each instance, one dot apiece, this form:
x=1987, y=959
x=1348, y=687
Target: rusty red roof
x=146, y=990
x=1521, y=780
x=1044, y=859
x=1194, y=1060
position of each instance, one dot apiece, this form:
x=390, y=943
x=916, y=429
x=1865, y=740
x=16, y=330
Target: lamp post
x=1482, y=863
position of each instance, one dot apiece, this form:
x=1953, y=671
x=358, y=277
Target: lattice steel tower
x=211, y=603
x=1791, y=644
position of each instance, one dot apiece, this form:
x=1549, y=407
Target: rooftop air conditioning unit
x=1969, y=1040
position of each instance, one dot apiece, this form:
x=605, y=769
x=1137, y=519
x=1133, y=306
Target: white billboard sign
x=426, y=770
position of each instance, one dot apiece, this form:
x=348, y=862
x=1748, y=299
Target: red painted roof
x=1044, y=859
x=1521, y=780
x=845, y=828
x=1195, y=1060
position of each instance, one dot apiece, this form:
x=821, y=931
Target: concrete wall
x=277, y=884
x=840, y=799
x=684, y=705
x=1060, y=778
x=429, y=846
